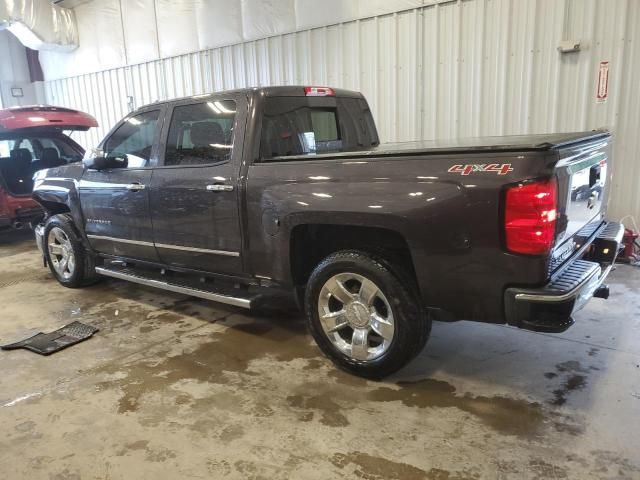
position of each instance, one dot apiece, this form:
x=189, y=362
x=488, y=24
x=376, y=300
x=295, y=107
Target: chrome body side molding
x=200, y=250
x=120, y=240
x=164, y=245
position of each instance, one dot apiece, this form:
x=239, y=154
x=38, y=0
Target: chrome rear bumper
x=550, y=308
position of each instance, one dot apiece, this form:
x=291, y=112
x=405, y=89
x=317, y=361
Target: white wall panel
x=177, y=32
x=308, y=14
x=14, y=72
x=262, y=18
x=370, y=8
x=459, y=68
x=101, y=41
x=218, y=22
x=139, y=25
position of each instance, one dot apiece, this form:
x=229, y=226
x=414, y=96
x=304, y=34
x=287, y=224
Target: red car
x=31, y=139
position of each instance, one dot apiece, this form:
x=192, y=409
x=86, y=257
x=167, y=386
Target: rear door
x=194, y=193
x=115, y=202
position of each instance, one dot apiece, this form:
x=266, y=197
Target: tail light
x=530, y=217
x=319, y=92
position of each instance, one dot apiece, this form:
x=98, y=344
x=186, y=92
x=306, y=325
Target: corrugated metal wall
x=459, y=68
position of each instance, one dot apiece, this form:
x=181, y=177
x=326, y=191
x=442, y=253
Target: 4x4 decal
x=499, y=168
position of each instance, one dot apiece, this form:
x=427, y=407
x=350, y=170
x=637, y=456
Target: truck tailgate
x=582, y=172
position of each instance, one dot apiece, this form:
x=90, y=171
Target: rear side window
x=5, y=147
x=134, y=138
x=307, y=126
x=201, y=133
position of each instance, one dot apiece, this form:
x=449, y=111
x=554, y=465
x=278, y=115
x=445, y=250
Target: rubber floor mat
x=48, y=343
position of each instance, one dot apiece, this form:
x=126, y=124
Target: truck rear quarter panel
x=451, y=222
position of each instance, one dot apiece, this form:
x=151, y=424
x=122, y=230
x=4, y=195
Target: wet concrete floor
x=175, y=387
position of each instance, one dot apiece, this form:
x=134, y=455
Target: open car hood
x=45, y=116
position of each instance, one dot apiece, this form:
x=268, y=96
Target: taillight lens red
x=319, y=92
x=530, y=217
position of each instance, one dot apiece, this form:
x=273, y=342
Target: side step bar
x=174, y=287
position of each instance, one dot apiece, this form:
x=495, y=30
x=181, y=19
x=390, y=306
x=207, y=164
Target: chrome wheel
x=356, y=316
x=61, y=253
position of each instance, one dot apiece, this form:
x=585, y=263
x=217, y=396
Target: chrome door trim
x=219, y=188
x=199, y=250
x=164, y=245
x=120, y=240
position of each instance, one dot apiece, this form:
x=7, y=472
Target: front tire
x=67, y=258
x=364, y=315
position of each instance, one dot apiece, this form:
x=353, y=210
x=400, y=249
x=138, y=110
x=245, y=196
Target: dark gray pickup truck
x=239, y=195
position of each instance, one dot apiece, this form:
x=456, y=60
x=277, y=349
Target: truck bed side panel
x=451, y=222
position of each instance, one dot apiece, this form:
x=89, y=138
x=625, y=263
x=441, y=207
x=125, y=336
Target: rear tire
x=364, y=314
x=66, y=256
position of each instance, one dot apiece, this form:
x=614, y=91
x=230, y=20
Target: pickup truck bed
x=236, y=194
x=508, y=143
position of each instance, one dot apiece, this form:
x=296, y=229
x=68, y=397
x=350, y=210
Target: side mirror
x=100, y=162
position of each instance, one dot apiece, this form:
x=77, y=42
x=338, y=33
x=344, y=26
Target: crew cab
x=31, y=139
x=239, y=196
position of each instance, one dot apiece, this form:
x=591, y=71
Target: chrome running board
x=135, y=277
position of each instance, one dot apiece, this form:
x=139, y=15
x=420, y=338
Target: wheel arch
x=310, y=243
x=61, y=196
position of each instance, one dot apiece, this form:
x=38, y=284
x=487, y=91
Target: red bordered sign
x=498, y=168
x=603, y=82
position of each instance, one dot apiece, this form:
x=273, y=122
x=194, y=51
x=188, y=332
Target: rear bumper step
x=550, y=308
x=604, y=248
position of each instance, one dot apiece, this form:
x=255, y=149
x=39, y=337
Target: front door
x=194, y=192
x=115, y=202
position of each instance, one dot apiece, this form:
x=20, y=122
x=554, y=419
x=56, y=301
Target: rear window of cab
x=293, y=126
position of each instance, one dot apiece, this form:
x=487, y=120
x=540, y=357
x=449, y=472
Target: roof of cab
x=47, y=116
x=279, y=91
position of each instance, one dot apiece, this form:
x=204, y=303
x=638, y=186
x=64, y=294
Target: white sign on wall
x=603, y=83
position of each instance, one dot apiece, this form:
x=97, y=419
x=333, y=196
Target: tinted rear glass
x=36, y=144
x=312, y=125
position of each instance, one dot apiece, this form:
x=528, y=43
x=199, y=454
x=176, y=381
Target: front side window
x=134, y=138
x=307, y=126
x=201, y=133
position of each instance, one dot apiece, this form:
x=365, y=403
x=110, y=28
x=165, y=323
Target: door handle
x=134, y=187
x=217, y=187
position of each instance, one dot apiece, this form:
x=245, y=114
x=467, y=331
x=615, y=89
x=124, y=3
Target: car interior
x=28, y=155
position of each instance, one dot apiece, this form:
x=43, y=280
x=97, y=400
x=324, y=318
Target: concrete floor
x=174, y=387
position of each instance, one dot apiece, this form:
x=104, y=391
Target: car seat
x=49, y=158
x=208, y=143
x=17, y=172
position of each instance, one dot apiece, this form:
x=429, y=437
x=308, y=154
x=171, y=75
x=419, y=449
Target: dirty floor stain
x=505, y=415
x=176, y=387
